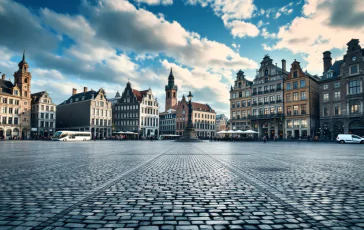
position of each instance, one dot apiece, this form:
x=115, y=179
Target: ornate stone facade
x=15, y=103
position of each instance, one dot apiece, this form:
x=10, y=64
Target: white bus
x=71, y=136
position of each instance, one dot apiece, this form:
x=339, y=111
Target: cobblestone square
x=167, y=185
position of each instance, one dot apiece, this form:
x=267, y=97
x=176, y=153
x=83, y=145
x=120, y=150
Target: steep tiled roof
x=335, y=68
x=6, y=86
x=36, y=96
x=86, y=96
x=200, y=106
x=139, y=94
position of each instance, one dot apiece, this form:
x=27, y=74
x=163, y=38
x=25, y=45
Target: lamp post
x=189, y=131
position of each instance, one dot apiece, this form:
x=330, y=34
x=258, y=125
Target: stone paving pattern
x=168, y=185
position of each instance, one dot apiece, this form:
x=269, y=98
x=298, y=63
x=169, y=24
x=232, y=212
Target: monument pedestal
x=189, y=135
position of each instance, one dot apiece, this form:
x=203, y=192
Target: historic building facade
x=86, y=111
x=240, y=102
x=220, y=122
x=167, y=122
x=341, y=93
x=203, y=118
x=301, y=103
x=137, y=111
x=43, y=116
x=15, y=103
x=267, y=99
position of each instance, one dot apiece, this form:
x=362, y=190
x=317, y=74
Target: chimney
x=283, y=65
x=327, y=60
x=84, y=89
x=3, y=76
x=74, y=91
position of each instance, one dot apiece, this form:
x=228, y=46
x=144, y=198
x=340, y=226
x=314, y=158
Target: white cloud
x=267, y=35
x=234, y=14
x=278, y=14
x=321, y=35
x=47, y=73
x=242, y=29
x=266, y=47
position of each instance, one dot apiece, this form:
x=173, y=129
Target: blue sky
x=103, y=43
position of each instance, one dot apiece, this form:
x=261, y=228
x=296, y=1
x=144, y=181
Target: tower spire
x=23, y=55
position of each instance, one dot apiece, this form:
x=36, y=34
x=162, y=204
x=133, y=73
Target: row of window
x=10, y=110
x=167, y=127
x=150, y=121
x=44, y=116
x=101, y=103
x=126, y=115
x=241, y=114
x=272, y=99
x=10, y=120
x=126, y=107
x=240, y=94
x=265, y=88
x=166, y=122
x=46, y=124
x=206, y=116
x=266, y=111
x=295, y=85
x=291, y=124
x=128, y=122
x=354, y=108
x=353, y=87
x=297, y=110
x=102, y=122
x=44, y=108
x=295, y=96
x=242, y=103
x=101, y=112
x=326, y=97
x=11, y=101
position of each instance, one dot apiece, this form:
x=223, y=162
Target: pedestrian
x=308, y=138
x=264, y=139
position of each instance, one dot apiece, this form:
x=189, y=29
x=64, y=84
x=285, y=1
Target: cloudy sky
x=103, y=43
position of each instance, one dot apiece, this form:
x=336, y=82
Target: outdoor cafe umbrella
x=250, y=132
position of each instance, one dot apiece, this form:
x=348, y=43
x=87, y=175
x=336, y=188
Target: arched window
x=26, y=79
x=174, y=94
x=168, y=95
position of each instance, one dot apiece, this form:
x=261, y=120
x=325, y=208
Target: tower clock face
x=353, y=58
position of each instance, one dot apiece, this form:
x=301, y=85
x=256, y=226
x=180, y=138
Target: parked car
x=349, y=138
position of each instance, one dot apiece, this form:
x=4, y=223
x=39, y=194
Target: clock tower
x=171, y=92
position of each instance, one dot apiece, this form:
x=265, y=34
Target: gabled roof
x=140, y=94
x=6, y=86
x=86, y=96
x=36, y=96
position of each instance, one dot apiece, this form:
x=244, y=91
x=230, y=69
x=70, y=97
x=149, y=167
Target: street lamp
x=189, y=131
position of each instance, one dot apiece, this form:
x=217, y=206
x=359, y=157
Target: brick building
x=341, y=93
x=15, y=103
x=240, y=102
x=301, y=103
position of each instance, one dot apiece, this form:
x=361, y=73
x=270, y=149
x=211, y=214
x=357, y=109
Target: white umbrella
x=222, y=132
x=250, y=132
x=121, y=132
x=230, y=132
x=239, y=132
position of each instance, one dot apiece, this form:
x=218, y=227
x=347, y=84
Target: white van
x=349, y=138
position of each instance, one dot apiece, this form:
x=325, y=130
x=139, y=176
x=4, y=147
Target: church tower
x=22, y=78
x=171, y=92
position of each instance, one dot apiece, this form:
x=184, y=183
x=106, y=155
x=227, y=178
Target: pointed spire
x=171, y=72
x=23, y=55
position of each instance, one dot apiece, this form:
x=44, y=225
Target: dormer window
x=295, y=74
x=76, y=99
x=16, y=92
x=266, y=72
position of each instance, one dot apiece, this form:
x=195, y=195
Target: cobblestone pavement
x=168, y=185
